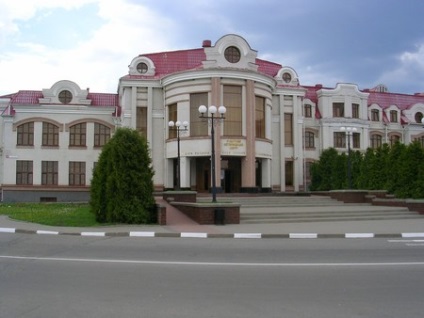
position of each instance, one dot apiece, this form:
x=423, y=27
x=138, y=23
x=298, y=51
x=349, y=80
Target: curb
x=147, y=234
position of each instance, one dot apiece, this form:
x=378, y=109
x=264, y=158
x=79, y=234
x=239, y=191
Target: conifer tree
x=122, y=184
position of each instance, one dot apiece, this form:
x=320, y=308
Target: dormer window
x=232, y=54
x=308, y=110
x=142, y=68
x=418, y=117
x=393, y=116
x=375, y=115
x=287, y=77
x=65, y=97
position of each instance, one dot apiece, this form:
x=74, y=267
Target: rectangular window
x=49, y=172
x=24, y=172
x=198, y=127
x=260, y=117
x=141, y=121
x=288, y=129
x=355, y=110
x=172, y=115
x=375, y=115
x=289, y=173
x=50, y=135
x=308, y=110
x=101, y=135
x=338, y=109
x=356, y=140
x=76, y=173
x=77, y=135
x=233, y=118
x=339, y=140
x=25, y=134
x=309, y=139
x=393, y=116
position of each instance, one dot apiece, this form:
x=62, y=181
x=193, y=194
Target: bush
x=122, y=184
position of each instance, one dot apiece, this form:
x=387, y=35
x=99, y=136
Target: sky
x=92, y=42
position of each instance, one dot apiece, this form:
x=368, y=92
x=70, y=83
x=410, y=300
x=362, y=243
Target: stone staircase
x=289, y=209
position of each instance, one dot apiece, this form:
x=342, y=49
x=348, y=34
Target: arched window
x=394, y=139
x=101, y=135
x=376, y=141
x=78, y=135
x=50, y=135
x=375, y=115
x=25, y=134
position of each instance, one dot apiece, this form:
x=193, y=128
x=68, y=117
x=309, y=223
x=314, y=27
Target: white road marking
x=194, y=235
x=247, y=235
x=142, y=234
x=359, y=235
x=140, y=262
x=405, y=241
x=93, y=234
x=47, y=232
x=412, y=235
x=7, y=230
x=303, y=235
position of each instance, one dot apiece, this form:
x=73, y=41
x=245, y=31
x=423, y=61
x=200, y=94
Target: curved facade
x=273, y=129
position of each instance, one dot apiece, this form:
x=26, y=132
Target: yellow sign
x=233, y=144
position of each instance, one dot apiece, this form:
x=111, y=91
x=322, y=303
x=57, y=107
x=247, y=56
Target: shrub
x=122, y=184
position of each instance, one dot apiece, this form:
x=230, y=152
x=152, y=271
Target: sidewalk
x=179, y=225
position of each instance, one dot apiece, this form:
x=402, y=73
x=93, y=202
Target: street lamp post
x=349, y=132
x=213, y=120
x=177, y=127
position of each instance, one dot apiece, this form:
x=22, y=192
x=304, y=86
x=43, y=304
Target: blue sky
x=92, y=42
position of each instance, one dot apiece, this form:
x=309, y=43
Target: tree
x=409, y=171
x=323, y=174
x=122, y=184
x=395, y=163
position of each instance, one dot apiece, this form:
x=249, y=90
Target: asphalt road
x=66, y=276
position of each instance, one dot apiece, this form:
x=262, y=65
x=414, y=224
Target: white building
x=274, y=128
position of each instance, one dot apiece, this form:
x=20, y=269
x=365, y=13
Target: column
x=248, y=182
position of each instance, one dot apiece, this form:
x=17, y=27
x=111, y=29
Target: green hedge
x=399, y=169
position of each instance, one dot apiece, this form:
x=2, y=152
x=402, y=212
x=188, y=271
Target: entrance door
x=231, y=174
x=203, y=174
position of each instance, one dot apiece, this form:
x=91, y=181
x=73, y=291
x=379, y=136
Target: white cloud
x=97, y=62
x=414, y=58
x=409, y=70
x=11, y=12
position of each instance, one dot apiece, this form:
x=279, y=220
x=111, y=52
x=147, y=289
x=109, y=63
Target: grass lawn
x=55, y=214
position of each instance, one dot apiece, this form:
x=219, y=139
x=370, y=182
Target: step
x=320, y=209
x=327, y=219
x=325, y=214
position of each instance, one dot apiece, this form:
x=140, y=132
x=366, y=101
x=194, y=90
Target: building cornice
x=219, y=72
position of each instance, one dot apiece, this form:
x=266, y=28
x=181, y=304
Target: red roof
x=268, y=68
x=32, y=98
x=402, y=101
x=178, y=61
x=26, y=97
x=103, y=99
x=384, y=100
x=311, y=92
